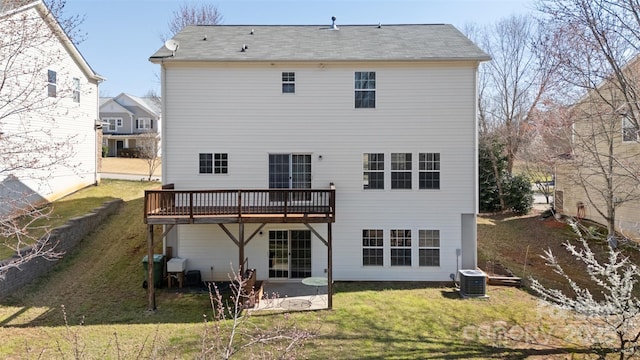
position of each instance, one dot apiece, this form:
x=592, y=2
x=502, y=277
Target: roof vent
x=379, y=25
x=244, y=48
x=205, y=37
x=333, y=24
x=251, y=33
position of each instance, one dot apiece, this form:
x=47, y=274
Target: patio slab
x=292, y=296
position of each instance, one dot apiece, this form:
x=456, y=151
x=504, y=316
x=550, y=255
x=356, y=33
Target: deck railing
x=239, y=203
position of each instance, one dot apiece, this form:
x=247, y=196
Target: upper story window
x=629, y=130
x=114, y=123
x=144, y=123
x=221, y=163
x=429, y=170
x=365, y=89
x=76, y=90
x=206, y=163
x=52, y=83
x=401, y=170
x=373, y=171
x=288, y=82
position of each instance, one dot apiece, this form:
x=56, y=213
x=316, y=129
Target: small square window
x=221, y=163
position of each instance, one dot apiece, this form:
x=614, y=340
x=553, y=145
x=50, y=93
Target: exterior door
x=289, y=171
x=289, y=254
x=119, y=147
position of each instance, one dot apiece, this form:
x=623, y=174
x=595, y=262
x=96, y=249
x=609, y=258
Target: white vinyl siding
x=422, y=106
x=75, y=121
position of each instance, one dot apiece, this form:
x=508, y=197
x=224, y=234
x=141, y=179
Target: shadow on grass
x=357, y=286
x=439, y=348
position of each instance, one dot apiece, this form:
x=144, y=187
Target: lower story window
x=400, y=247
x=429, y=247
x=372, y=247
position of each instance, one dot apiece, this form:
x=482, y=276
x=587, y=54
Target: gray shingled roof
x=321, y=43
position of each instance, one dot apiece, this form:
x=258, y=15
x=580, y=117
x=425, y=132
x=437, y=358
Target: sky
x=121, y=35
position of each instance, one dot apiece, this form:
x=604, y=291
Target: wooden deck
x=169, y=206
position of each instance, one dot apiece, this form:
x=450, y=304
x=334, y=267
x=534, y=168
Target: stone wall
x=65, y=238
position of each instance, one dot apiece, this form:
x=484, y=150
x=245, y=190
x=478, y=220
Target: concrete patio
x=292, y=296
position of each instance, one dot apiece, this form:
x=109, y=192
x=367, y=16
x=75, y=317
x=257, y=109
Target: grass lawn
x=99, y=285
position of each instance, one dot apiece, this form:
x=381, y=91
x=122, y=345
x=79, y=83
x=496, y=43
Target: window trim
x=221, y=163
x=143, y=121
x=117, y=123
x=367, y=169
x=368, y=237
x=76, y=90
x=423, y=168
x=396, y=169
x=422, y=245
x=399, y=241
x=627, y=128
x=205, y=165
x=362, y=86
x=52, y=83
x=288, y=82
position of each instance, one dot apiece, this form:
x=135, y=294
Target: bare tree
x=190, y=14
x=149, y=151
x=594, y=44
x=31, y=97
x=611, y=317
x=230, y=333
x=515, y=80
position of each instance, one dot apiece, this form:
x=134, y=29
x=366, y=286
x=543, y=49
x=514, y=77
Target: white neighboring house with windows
x=303, y=151
x=127, y=120
x=48, y=110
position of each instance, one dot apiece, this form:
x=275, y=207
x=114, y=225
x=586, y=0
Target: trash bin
x=158, y=263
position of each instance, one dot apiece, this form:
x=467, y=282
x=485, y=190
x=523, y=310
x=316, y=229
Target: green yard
x=100, y=286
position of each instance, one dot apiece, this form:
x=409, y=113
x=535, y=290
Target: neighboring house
x=48, y=110
x=601, y=176
x=128, y=121
x=302, y=151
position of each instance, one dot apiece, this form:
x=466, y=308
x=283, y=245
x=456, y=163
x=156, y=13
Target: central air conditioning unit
x=473, y=283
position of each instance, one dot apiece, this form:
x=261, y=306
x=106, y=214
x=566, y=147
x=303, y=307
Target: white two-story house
x=340, y=151
x=128, y=121
x=49, y=127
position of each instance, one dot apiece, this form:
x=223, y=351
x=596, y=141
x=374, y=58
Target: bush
x=518, y=194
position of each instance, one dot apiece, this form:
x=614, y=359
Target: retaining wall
x=65, y=238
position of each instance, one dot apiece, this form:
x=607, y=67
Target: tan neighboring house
x=128, y=121
x=601, y=177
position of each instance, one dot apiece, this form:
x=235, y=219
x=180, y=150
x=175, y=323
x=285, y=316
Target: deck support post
x=151, y=291
x=241, y=248
x=329, y=268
